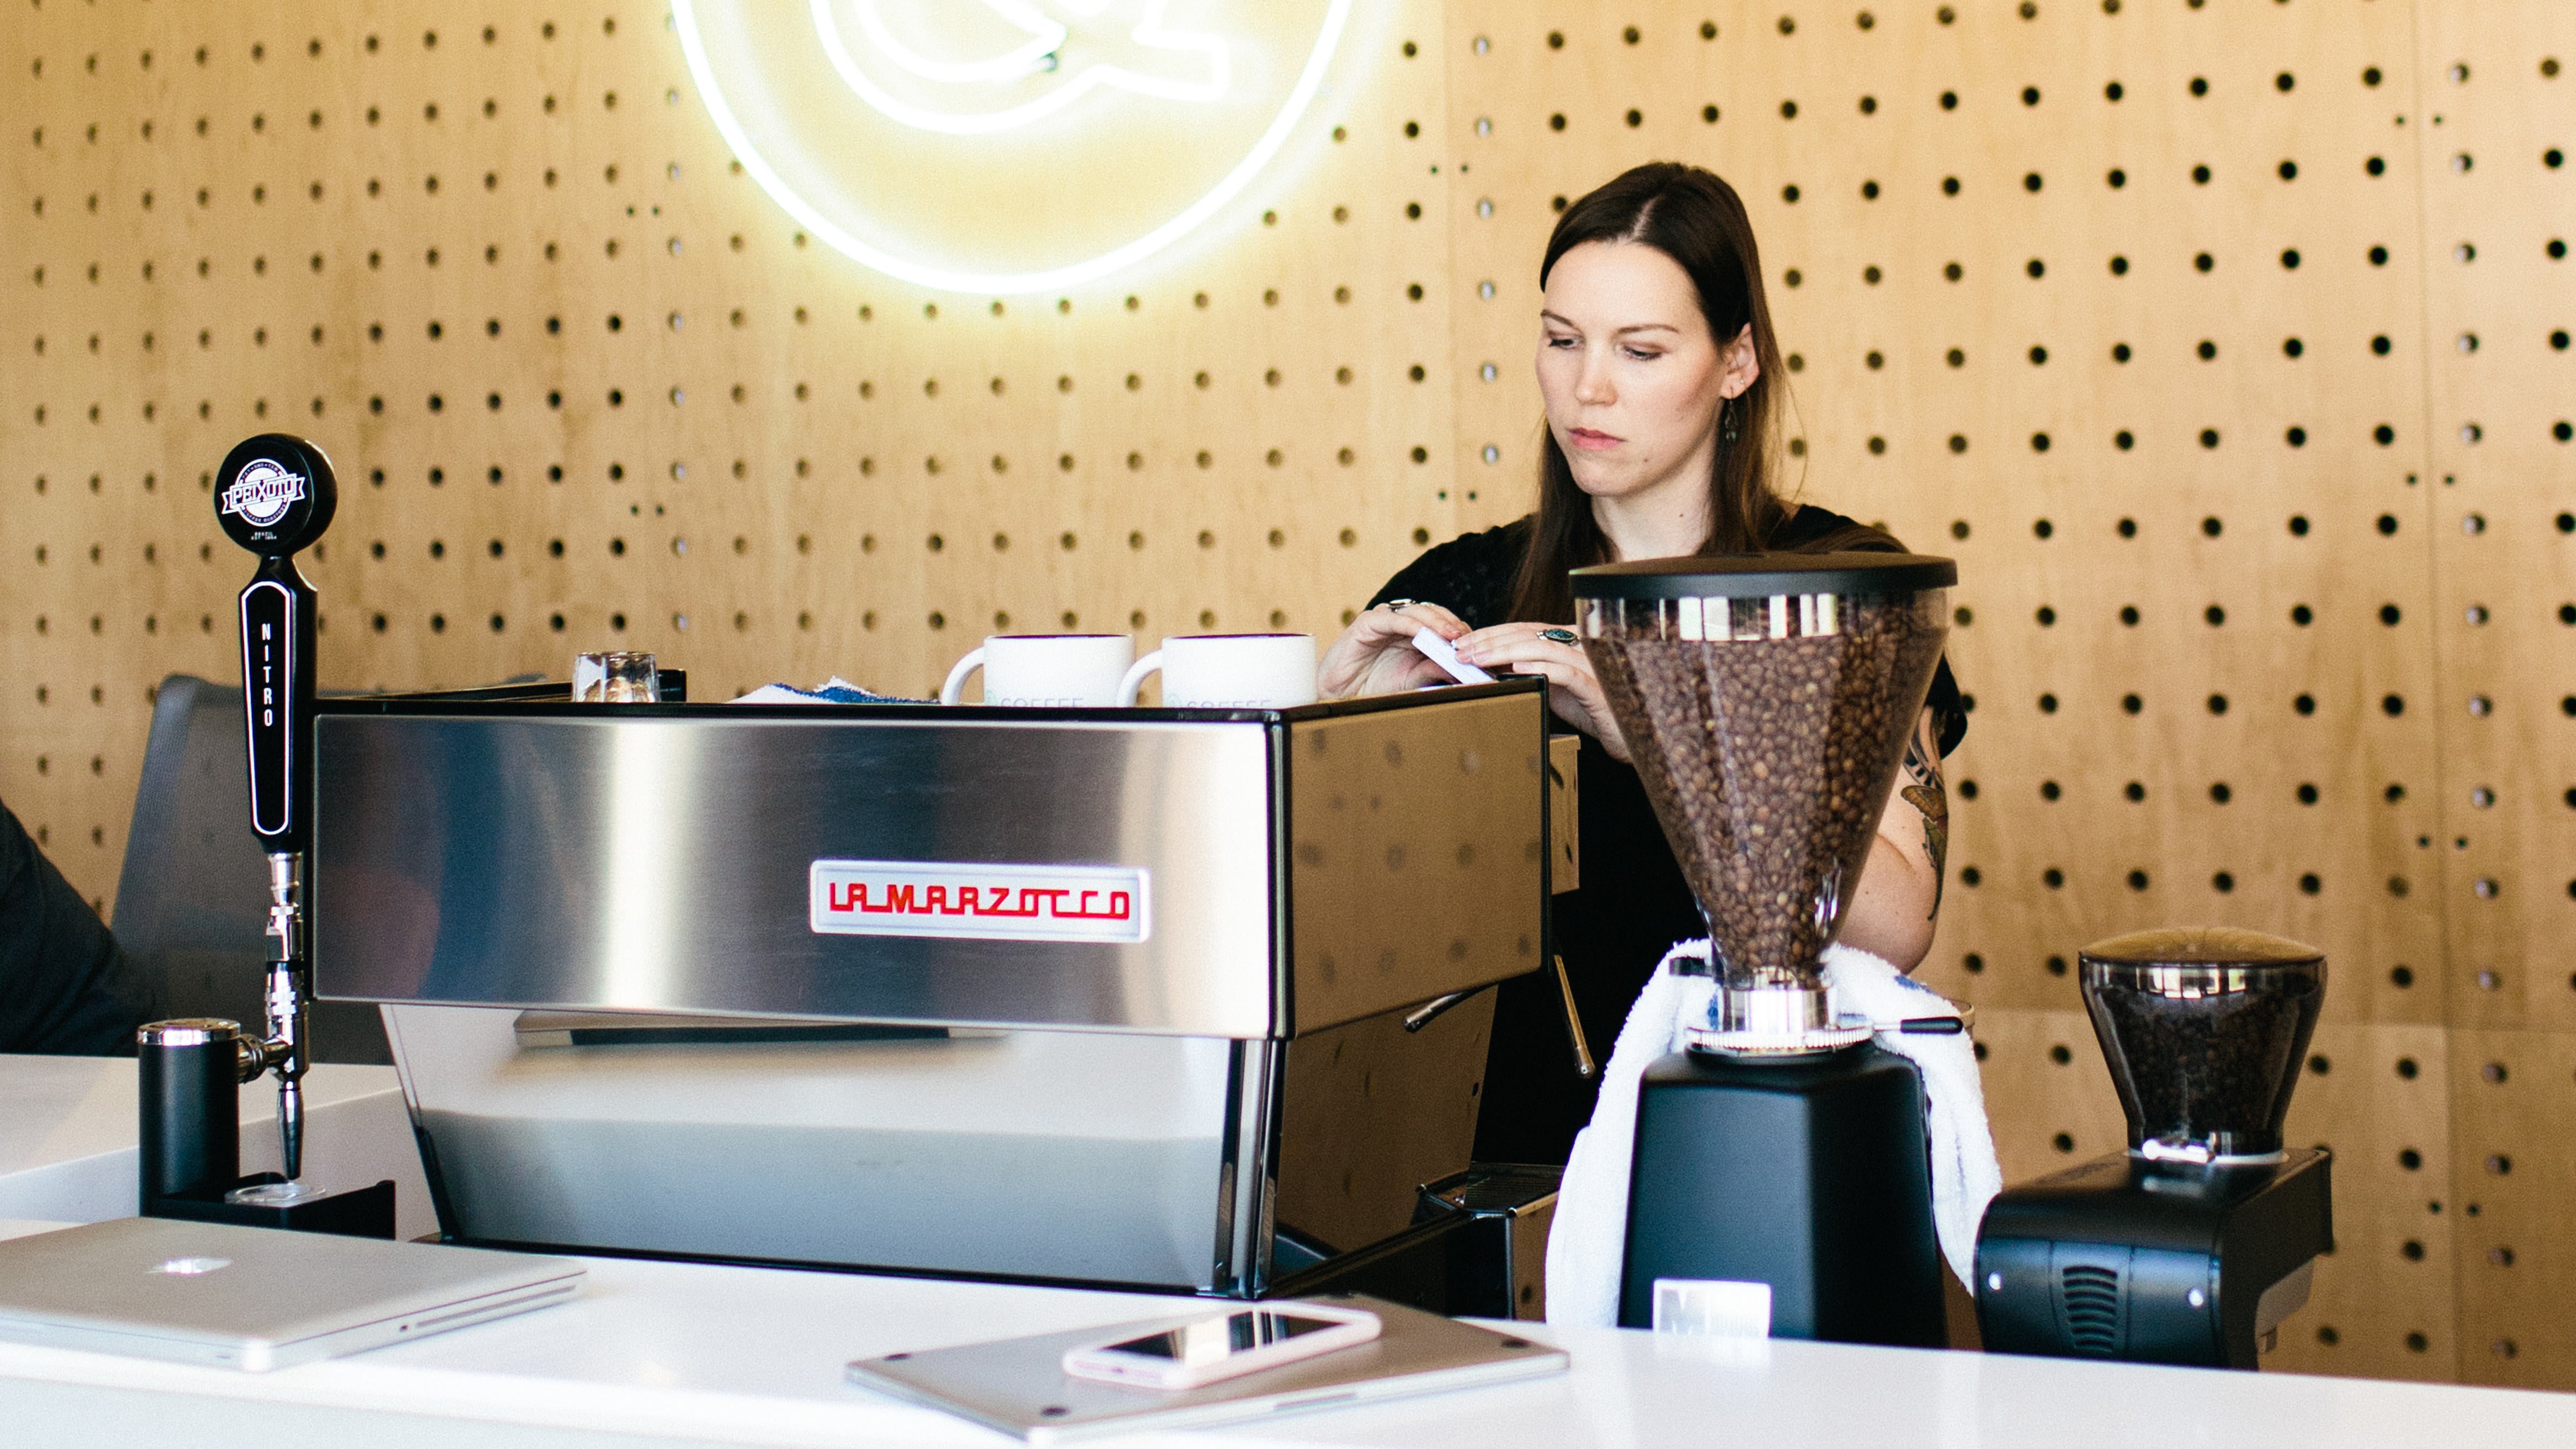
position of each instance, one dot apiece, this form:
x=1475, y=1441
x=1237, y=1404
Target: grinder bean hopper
x=2194, y=1244
x=1766, y=700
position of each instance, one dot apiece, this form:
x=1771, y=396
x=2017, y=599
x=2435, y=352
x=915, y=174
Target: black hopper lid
x=1764, y=575
x=2221, y=946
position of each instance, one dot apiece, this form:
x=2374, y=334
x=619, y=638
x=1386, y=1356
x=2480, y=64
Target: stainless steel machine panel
x=1075, y=1156
x=665, y=864
x=679, y=859
x=1187, y=1163
x=1418, y=854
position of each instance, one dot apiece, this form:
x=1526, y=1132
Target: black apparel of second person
x=65, y=986
x=1633, y=904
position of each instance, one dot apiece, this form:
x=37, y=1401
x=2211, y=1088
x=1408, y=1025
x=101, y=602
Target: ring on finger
x=1558, y=636
x=1399, y=605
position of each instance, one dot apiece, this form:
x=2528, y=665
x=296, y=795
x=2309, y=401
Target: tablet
x=1019, y=1386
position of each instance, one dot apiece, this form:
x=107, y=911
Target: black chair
x=192, y=901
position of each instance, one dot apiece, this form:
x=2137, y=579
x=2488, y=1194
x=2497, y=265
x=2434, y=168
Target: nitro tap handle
x=274, y=496
x=277, y=696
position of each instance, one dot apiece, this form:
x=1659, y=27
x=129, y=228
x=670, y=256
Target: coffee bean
x=2207, y=1053
x=1769, y=761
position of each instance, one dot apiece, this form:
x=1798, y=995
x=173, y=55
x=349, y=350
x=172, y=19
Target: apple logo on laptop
x=191, y=1267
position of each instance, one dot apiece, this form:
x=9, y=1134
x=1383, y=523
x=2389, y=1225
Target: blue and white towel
x=834, y=690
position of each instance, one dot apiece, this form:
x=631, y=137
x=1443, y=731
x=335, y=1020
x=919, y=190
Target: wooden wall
x=2223, y=342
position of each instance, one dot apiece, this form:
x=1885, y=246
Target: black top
x=1471, y=577
x=1633, y=903
x=1766, y=575
x=65, y=988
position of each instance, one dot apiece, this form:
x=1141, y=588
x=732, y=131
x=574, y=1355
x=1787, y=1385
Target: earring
x=1726, y=420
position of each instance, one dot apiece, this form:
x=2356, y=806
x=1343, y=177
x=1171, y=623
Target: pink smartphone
x=1223, y=1346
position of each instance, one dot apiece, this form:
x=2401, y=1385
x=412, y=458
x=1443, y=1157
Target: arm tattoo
x=1923, y=791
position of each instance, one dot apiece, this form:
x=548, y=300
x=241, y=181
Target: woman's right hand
x=1375, y=655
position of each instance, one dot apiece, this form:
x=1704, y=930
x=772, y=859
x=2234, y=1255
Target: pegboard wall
x=2224, y=342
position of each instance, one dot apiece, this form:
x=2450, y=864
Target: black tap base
x=362, y=1212
x=1811, y=1174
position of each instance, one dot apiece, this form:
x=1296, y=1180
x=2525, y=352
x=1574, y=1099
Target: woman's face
x=1631, y=377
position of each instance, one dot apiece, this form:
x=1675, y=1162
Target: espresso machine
x=1767, y=700
x=274, y=495
x=2191, y=1246
x=1175, y=999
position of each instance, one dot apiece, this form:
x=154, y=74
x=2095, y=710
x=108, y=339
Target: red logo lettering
x=1075, y=903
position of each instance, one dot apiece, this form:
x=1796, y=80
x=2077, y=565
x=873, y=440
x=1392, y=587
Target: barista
x=1656, y=362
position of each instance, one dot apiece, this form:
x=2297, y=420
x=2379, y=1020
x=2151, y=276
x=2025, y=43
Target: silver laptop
x=254, y=1298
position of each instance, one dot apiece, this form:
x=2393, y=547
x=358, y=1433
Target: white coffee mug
x=1229, y=671
x=1046, y=671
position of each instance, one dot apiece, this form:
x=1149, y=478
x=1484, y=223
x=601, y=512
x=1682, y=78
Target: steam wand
x=275, y=496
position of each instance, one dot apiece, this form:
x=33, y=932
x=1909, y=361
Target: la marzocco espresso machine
x=1766, y=700
x=1138, y=997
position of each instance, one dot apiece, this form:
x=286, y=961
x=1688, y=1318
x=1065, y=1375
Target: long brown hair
x=1695, y=218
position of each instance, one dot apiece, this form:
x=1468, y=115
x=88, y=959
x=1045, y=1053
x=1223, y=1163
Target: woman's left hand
x=1574, y=691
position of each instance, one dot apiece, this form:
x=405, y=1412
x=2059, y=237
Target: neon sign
x=1003, y=147
x=1040, y=55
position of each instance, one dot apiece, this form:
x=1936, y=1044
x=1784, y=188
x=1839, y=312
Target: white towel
x=1588, y=1240
x=1965, y=1175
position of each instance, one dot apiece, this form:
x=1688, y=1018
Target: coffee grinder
x=2194, y=1244
x=1767, y=700
x=274, y=495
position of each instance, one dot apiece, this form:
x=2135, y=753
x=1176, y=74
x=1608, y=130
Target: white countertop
x=658, y=1352
x=678, y=1351
x=67, y=1127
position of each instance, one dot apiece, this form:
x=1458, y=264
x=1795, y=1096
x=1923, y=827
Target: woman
x=1656, y=362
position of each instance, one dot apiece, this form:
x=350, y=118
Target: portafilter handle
x=274, y=496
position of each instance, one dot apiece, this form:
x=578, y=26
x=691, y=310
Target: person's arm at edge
x=66, y=987
x=1898, y=904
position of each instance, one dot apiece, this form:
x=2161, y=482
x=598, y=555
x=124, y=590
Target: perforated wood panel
x=2125, y=307
x=2223, y=343
x=2499, y=209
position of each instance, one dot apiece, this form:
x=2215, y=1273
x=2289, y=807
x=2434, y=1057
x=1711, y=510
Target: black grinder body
x=2152, y=1262
x=1811, y=1174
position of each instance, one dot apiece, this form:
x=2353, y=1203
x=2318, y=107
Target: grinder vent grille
x=2090, y=1297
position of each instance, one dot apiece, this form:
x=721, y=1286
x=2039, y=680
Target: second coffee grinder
x=274, y=496
x=1766, y=700
x=2194, y=1244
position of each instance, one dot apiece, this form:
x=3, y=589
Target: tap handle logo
x=275, y=495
